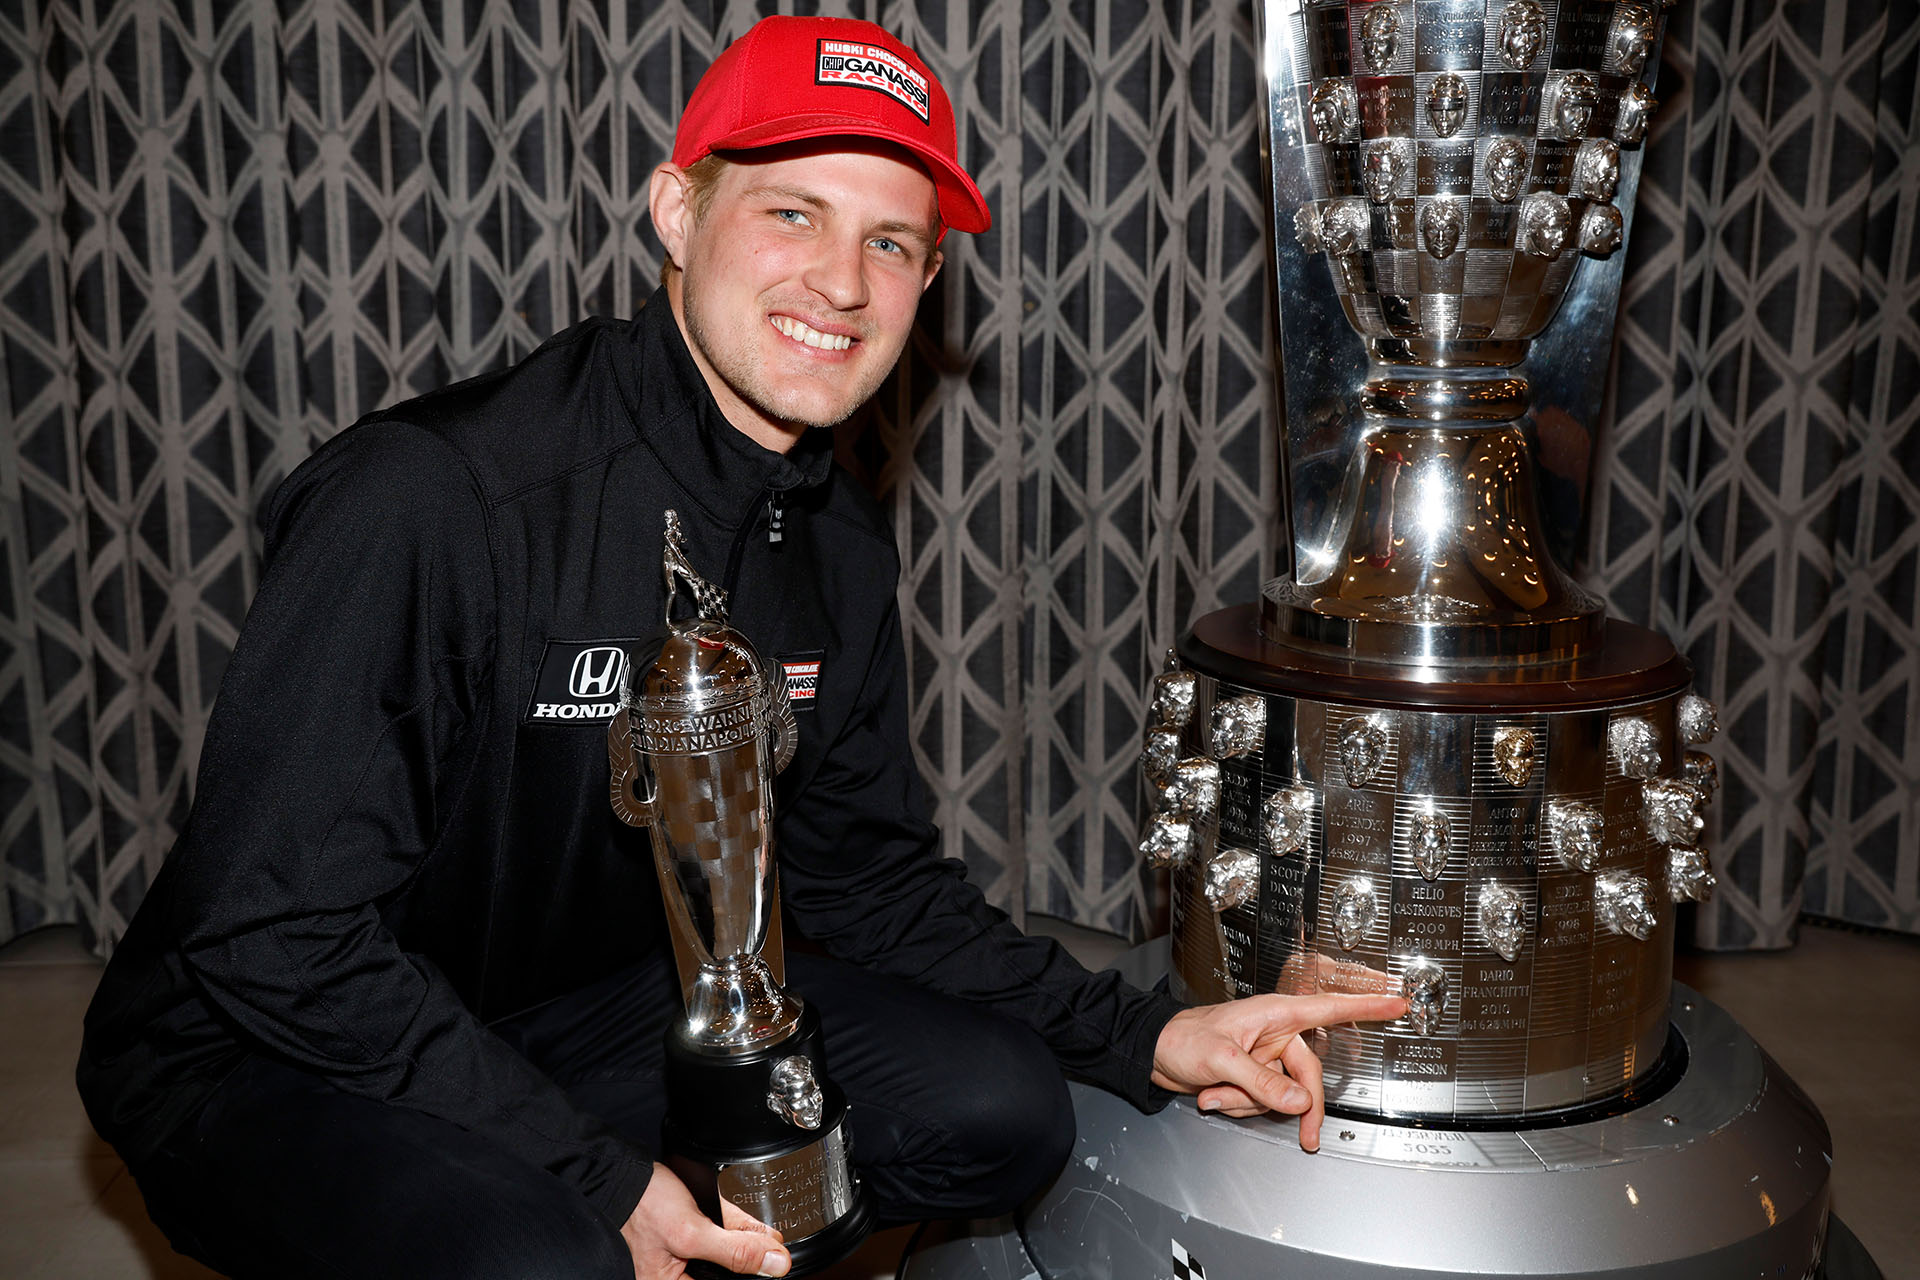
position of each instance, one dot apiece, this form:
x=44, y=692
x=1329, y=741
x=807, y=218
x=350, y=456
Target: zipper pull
x=776, y=518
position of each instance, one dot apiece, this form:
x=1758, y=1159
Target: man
x=394, y=1005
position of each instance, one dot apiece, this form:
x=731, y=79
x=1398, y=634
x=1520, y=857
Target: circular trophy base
x=1724, y=1175
x=820, y=1249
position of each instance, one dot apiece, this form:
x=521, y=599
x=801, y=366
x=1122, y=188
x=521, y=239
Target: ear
x=935, y=261
x=672, y=215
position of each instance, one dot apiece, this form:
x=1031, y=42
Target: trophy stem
x=1439, y=555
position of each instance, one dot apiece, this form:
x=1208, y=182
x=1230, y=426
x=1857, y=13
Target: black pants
x=955, y=1111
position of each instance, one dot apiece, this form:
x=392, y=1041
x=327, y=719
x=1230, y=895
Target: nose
x=838, y=272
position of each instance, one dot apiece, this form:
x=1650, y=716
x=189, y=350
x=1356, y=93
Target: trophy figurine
x=1426, y=760
x=752, y=1115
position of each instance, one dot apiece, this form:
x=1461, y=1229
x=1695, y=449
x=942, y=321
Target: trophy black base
x=726, y=1141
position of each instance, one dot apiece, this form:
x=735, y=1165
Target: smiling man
x=394, y=1006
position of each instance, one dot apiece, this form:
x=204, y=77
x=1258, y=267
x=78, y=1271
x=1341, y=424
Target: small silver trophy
x=752, y=1116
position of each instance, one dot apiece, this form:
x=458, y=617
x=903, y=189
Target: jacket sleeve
x=861, y=878
x=342, y=730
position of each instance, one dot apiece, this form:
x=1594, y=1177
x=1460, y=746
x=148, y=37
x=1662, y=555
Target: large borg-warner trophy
x=752, y=1116
x=1426, y=761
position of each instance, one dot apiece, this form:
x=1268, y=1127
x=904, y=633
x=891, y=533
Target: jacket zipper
x=776, y=533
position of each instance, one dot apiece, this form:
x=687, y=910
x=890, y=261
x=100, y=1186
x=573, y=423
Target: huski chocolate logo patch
x=867, y=66
x=803, y=677
x=579, y=682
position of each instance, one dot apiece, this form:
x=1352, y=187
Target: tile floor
x=1841, y=1013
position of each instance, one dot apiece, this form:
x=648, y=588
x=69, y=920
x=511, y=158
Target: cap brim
x=962, y=207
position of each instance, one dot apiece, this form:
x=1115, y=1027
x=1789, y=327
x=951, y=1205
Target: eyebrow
x=893, y=227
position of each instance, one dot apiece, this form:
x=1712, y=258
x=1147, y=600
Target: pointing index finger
x=1326, y=1009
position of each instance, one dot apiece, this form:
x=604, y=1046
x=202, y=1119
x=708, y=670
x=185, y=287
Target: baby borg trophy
x=751, y=1115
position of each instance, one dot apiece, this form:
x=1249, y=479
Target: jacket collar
x=720, y=467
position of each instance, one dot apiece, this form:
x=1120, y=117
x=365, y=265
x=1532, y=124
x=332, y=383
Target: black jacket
x=401, y=829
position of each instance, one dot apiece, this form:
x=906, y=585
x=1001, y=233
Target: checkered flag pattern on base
x=1185, y=1265
x=232, y=229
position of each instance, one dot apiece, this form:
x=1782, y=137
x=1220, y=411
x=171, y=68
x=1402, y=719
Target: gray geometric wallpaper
x=229, y=228
x=1756, y=485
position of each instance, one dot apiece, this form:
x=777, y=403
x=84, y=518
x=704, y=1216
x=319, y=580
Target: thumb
x=746, y=1252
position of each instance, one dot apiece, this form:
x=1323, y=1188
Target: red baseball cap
x=792, y=78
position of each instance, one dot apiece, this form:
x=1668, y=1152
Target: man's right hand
x=667, y=1230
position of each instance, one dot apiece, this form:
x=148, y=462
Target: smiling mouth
x=811, y=336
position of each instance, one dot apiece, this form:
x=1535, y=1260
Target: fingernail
x=1209, y=1106
x=774, y=1263
x=1296, y=1097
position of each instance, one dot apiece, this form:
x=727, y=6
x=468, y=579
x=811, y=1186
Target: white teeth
x=812, y=337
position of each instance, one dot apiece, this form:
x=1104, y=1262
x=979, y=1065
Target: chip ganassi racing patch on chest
x=803, y=677
x=867, y=66
x=579, y=682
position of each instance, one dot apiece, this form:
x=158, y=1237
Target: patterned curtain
x=232, y=226
x=1759, y=478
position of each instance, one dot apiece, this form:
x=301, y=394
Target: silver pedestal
x=1724, y=1175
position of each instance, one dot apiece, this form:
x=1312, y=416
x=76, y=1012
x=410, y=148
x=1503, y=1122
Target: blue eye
x=793, y=216
x=888, y=246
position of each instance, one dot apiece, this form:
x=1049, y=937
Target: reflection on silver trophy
x=753, y=1116
x=1444, y=771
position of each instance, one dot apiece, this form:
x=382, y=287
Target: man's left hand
x=1249, y=1056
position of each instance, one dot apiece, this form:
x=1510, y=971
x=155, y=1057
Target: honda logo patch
x=579, y=682
x=803, y=677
